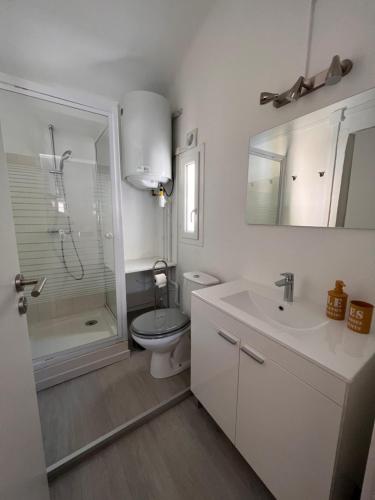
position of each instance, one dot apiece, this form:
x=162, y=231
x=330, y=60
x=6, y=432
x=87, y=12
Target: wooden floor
x=78, y=411
x=180, y=455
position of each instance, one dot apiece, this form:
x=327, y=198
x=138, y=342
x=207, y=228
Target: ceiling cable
x=310, y=25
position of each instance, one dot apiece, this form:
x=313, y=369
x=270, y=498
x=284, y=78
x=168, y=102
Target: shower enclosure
x=64, y=184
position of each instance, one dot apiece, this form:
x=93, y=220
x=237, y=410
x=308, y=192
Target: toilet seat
x=160, y=323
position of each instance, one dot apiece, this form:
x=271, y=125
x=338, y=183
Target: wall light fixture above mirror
x=304, y=86
x=317, y=170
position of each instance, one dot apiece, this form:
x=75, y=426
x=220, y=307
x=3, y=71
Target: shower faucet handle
x=20, y=282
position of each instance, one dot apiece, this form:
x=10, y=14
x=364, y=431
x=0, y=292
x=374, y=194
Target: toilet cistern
x=288, y=283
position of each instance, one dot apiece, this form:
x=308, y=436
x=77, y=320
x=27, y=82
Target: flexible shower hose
x=62, y=239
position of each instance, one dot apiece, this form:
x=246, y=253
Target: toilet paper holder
x=160, y=270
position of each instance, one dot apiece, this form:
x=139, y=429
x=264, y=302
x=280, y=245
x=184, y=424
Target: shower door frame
x=109, y=109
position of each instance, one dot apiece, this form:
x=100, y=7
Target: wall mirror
x=317, y=170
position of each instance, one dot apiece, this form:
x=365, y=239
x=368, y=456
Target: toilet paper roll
x=160, y=280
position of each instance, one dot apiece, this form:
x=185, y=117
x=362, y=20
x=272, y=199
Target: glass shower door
x=106, y=220
x=60, y=181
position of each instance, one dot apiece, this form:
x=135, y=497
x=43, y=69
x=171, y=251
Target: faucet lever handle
x=288, y=276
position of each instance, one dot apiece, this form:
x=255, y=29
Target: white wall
x=245, y=47
x=142, y=220
x=143, y=237
x=307, y=198
x=307, y=149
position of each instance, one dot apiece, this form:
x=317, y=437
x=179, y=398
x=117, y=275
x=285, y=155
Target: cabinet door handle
x=253, y=354
x=227, y=337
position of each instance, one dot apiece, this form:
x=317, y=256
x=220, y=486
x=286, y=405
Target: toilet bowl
x=166, y=332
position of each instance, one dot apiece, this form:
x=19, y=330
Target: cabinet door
x=214, y=368
x=286, y=430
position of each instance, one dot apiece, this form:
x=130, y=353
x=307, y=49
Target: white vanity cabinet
x=294, y=422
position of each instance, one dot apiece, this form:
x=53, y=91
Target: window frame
x=196, y=155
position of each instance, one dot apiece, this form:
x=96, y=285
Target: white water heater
x=147, y=139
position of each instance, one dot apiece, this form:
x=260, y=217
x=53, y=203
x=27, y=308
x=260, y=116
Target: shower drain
x=91, y=322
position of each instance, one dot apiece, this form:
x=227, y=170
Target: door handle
x=227, y=337
x=193, y=212
x=252, y=354
x=22, y=305
x=20, y=282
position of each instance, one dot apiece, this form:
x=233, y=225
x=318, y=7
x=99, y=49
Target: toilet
x=165, y=332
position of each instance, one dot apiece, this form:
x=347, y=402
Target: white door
x=22, y=465
x=286, y=430
x=214, y=367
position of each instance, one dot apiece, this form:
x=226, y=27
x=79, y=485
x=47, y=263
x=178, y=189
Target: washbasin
x=296, y=316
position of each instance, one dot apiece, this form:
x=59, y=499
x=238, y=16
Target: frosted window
x=191, y=201
x=191, y=196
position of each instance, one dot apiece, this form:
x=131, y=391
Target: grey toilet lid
x=159, y=322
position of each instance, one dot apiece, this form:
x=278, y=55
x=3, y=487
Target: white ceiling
x=103, y=46
x=39, y=113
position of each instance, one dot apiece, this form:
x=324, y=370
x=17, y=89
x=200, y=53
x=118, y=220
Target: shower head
x=65, y=156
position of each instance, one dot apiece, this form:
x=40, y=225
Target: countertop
x=332, y=346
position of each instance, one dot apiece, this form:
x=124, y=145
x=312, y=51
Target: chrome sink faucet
x=288, y=283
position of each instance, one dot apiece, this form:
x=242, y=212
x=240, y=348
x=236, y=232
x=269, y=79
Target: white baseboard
x=61, y=372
